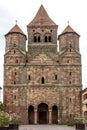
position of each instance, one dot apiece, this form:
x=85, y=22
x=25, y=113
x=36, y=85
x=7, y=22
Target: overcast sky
x=60, y=11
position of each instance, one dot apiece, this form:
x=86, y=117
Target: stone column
x=50, y=116
x=35, y=116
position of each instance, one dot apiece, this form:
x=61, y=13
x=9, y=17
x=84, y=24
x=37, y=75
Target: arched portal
x=31, y=115
x=42, y=113
x=54, y=114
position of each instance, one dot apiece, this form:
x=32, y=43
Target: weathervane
x=16, y=21
x=68, y=22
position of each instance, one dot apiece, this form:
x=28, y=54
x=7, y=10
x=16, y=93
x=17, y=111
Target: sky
x=60, y=11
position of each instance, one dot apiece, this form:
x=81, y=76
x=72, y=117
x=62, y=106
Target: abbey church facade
x=41, y=84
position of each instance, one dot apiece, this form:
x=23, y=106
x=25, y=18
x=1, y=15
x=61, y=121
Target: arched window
x=42, y=80
x=47, y=37
x=37, y=37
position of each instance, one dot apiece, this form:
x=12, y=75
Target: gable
x=42, y=59
x=14, y=52
x=14, y=56
x=70, y=52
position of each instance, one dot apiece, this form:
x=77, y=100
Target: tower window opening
x=15, y=73
x=49, y=38
x=26, y=60
x=38, y=38
x=55, y=77
x=14, y=82
x=29, y=77
x=69, y=82
x=43, y=81
x=67, y=61
x=70, y=73
x=35, y=39
x=14, y=51
x=70, y=99
x=14, y=96
x=45, y=38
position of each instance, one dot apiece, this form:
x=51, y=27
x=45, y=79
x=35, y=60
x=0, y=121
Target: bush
x=4, y=118
x=14, y=118
x=79, y=119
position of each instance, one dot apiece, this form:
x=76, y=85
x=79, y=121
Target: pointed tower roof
x=68, y=29
x=42, y=18
x=15, y=29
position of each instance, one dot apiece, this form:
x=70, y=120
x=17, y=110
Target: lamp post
x=0, y=93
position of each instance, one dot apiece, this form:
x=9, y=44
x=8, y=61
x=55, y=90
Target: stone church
x=42, y=83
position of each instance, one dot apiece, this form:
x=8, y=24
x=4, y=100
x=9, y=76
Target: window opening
x=69, y=82
x=14, y=96
x=15, y=73
x=49, y=38
x=70, y=73
x=38, y=38
x=67, y=61
x=29, y=77
x=45, y=38
x=42, y=80
x=14, y=82
x=55, y=77
x=14, y=51
x=35, y=39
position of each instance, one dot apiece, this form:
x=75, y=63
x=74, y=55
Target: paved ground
x=45, y=127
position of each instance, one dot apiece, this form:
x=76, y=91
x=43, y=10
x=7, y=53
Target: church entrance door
x=31, y=115
x=43, y=113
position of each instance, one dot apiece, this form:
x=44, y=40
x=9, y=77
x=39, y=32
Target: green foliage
x=4, y=118
x=79, y=119
x=66, y=123
x=1, y=106
x=14, y=119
